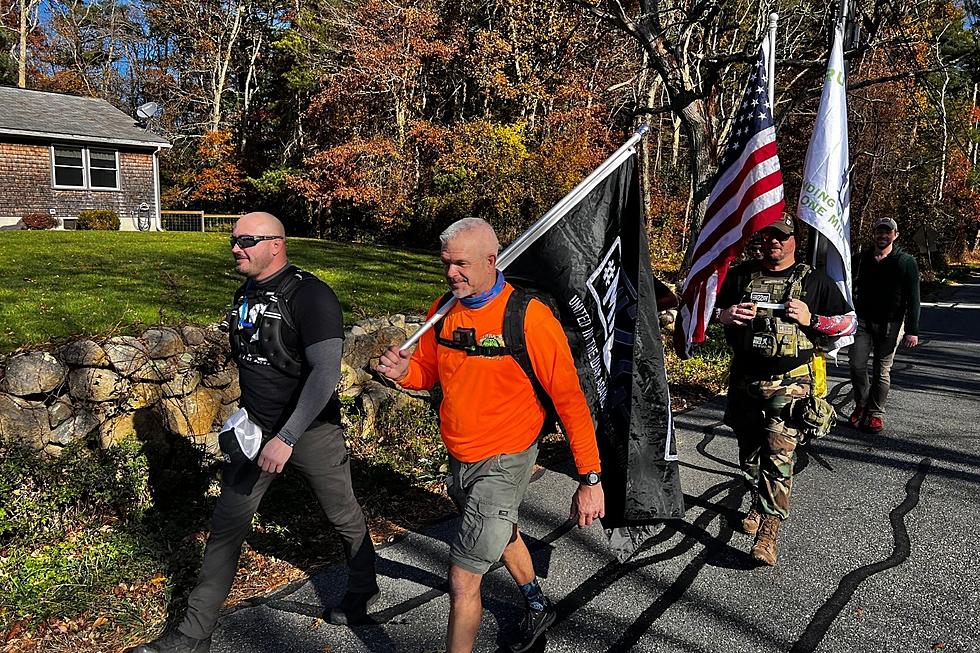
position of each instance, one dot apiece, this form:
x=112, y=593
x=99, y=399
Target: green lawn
x=63, y=283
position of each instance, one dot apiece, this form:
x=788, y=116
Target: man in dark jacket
x=886, y=299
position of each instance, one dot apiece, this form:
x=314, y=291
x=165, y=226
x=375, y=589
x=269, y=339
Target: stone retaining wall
x=169, y=381
x=176, y=381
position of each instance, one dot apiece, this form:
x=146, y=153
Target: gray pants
x=321, y=456
x=879, y=339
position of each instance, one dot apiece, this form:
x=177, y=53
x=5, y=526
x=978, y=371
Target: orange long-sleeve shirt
x=489, y=406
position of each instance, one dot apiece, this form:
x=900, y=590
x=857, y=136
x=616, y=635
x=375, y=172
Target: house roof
x=54, y=116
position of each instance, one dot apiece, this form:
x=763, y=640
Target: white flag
x=825, y=197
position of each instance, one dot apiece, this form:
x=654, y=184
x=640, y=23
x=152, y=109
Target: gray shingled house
x=60, y=154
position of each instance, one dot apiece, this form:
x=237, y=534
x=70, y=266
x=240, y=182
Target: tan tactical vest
x=771, y=334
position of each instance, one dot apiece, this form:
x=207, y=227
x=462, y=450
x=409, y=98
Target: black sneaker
x=175, y=642
x=352, y=609
x=533, y=625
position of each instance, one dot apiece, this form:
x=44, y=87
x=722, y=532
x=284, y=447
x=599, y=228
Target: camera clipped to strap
x=464, y=338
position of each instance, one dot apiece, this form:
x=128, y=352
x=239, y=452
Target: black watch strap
x=590, y=478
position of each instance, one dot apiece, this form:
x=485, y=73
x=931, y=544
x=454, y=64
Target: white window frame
x=86, y=169
x=54, y=178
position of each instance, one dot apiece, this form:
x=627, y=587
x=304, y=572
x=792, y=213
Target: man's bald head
x=267, y=254
x=260, y=223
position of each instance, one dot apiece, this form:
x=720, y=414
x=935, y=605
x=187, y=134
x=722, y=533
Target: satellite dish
x=148, y=110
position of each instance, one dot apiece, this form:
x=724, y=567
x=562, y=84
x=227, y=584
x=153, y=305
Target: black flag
x=595, y=264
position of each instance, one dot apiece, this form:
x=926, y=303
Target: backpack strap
x=284, y=293
x=278, y=315
x=514, y=338
x=438, y=326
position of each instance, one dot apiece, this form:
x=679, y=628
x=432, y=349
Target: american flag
x=747, y=196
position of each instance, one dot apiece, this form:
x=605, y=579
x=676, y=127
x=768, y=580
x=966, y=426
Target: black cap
x=783, y=225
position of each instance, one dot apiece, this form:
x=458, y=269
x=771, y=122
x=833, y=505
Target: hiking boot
x=175, y=642
x=875, y=424
x=856, y=417
x=352, y=609
x=764, y=549
x=533, y=625
x=750, y=523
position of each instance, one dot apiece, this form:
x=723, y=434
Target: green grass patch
x=67, y=576
x=59, y=284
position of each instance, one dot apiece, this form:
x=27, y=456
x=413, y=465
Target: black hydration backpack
x=271, y=344
x=515, y=344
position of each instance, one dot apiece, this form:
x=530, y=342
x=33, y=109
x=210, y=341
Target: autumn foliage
x=387, y=119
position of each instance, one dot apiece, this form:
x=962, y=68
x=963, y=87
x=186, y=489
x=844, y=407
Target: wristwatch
x=591, y=478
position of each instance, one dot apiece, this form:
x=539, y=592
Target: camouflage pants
x=759, y=413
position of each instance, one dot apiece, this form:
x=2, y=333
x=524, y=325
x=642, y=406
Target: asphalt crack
x=817, y=629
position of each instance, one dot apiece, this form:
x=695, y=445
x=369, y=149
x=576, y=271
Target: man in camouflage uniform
x=774, y=311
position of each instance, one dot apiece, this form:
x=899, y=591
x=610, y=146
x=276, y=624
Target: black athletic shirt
x=819, y=293
x=268, y=395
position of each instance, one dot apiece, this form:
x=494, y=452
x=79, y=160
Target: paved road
x=879, y=555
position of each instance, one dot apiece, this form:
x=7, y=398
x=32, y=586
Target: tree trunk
x=694, y=118
x=220, y=72
x=653, y=88
x=944, y=153
x=22, y=58
x=974, y=145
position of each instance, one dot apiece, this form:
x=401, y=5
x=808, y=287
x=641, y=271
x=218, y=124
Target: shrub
x=40, y=496
x=39, y=221
x=706, y=372
x=98, y=220
x=69, y=527
x=407, y=440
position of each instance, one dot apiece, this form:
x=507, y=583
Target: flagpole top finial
x=773, y=18
x=642, y=129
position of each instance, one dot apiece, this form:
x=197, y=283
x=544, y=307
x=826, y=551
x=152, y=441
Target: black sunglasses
x=769, y=234
x=249, y=241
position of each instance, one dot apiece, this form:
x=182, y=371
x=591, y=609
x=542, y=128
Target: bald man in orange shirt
x=490, y=421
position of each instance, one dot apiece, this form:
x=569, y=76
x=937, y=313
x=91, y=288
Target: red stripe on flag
x=760, y=155
x=767, y=215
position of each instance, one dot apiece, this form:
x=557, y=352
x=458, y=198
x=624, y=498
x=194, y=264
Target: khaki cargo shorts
x=488, y=494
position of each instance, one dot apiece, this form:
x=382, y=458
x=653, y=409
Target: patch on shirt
x=760, y=297
x=492, y=340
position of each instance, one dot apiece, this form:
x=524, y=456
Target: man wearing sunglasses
x=774, y=310
x=287, y=336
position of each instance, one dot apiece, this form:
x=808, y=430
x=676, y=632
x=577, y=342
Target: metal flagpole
x=547, y=221
x=773, y=19
x=815, y=247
